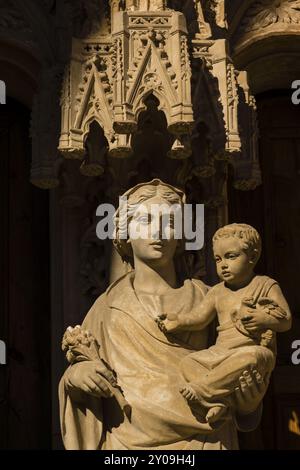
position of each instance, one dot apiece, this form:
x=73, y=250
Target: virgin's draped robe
x=147, y=366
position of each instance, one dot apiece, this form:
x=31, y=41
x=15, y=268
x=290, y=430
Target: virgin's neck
x=154, y=280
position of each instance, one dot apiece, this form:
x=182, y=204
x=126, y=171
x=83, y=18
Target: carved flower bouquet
x=80, y=345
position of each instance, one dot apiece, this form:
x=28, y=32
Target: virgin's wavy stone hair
x=136, y=196
x=248, y=235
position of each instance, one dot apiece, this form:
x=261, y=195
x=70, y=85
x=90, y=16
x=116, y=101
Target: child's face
x=234, y=266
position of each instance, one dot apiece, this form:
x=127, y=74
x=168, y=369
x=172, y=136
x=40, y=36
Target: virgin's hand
x=88, y=377
x=251, y=390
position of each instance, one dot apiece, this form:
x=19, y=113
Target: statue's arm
x=201, y=316
x=248, y=397
x=198, y=319
x=249, y=422
x=87, y=375
x=80, y=406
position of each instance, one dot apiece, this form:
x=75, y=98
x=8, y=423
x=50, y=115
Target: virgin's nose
x=157, y=229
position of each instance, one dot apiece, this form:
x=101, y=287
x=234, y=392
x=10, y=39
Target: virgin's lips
x=157, y=243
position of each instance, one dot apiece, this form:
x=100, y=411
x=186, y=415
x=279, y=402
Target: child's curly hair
x=248, y=235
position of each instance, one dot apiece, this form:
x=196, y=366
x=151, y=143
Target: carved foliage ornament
x=265, y=13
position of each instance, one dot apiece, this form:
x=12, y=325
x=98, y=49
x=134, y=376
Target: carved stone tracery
x=125, y=51
x=147, y=52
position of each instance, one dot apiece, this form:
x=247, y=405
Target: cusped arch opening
x=152, y=138
x=96, y=148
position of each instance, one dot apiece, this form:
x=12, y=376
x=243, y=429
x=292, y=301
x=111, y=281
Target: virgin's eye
x=144, y=219
x=217, y=260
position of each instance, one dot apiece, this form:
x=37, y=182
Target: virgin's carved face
x=152, y=233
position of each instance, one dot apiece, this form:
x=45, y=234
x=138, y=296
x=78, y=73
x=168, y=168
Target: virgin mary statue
x=142, y=359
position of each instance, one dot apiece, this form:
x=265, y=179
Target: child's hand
x=257, y=320
x=272, y=307
x=168, y=323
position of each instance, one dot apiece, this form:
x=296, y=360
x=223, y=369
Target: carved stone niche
x=96, y=150
x=110, y=77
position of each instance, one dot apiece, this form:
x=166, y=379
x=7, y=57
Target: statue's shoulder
x=95, y=313
x=117, y=283
x=102, y=303
x=263, y=284
x=261, y=279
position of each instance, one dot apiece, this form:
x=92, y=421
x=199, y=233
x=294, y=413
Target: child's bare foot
x=215, y=413
x=189, y=393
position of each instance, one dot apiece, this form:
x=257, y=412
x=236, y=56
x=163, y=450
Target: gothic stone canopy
x=142, y=48
x=106, y=64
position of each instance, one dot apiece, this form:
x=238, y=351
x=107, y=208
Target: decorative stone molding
x=145, y=5
x=230, y=111
x=265, y=19
x=204, y=27
x=214, y=12
x=247, y=173
x=218, y=7
x=222, y=84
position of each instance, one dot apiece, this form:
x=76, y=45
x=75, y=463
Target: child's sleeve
x=282, y=314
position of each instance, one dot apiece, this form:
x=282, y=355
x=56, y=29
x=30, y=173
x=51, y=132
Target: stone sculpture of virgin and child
x=142, y=374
